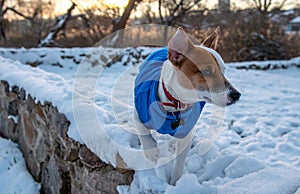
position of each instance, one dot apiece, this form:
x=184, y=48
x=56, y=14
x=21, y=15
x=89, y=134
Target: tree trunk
x=2, y=30
x=121, y=22
x=116, y=40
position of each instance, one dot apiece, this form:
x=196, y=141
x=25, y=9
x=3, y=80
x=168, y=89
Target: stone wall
x=61, y=164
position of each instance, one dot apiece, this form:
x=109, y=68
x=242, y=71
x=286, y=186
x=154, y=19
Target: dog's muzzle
x=234, y=95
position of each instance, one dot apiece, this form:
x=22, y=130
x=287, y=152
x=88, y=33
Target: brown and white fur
x=191, y=74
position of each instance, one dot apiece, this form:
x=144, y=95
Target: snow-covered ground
x=14, y=177
x=258, y=149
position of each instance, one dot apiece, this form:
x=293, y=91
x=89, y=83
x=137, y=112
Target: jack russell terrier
x=171, y=89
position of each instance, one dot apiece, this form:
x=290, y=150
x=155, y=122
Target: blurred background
x=250, y=29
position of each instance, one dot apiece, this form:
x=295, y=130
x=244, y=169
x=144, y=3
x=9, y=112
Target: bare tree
x=121, y=22
x=172, y=10
x=253, y=34
x=3, y=11
x=60, y=25
x=33, y=11
x=262, y=15
x=40, y=14
x=264, y=6
x=104, y=19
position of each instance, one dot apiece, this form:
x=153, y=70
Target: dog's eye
x=206, y=72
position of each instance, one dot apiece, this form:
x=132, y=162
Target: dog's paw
x=152, y=154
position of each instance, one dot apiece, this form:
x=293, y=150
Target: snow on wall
x=42, y=85
x=59, y=163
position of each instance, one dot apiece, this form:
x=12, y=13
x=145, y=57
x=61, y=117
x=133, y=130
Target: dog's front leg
x=149, y=147
x=182, y=149
x=148, y=143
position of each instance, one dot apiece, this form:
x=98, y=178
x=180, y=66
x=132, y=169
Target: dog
x=172, y=88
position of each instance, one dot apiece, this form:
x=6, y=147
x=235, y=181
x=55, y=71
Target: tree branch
x=16, y=12
x=177, y=7
x=60, y=24
x=267, y=5
x=260, y=5
x=183, y=11
x=159, y=11
x=282, y=4
x=2, y=4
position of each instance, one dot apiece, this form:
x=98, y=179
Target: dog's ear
x=178, y=47
x=212, y=40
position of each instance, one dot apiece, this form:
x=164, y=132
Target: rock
x=89, y=159
x=61, y=164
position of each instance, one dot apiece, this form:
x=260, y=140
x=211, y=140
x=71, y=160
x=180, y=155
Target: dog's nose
x=235, y=95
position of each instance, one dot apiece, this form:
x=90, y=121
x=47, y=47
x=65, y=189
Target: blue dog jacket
x=150, y=112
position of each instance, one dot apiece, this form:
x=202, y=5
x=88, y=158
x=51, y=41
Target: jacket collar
x=173, y=102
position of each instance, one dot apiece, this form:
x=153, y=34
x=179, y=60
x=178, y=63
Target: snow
x=14, y=118
x=257, y=150
x=181, y=187
x=268, y=64
x=288, y=12
x=243, y=166
x=14, y=177
x=295, y=20
x=268, y=180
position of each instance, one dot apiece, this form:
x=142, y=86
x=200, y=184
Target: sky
x=62, y=5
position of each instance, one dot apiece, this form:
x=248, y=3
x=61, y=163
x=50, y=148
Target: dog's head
x=203, y=67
